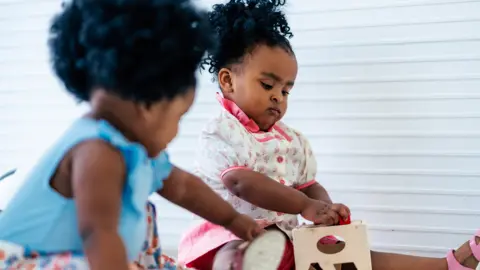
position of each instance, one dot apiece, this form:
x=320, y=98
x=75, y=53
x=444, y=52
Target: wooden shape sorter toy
x=356, y=250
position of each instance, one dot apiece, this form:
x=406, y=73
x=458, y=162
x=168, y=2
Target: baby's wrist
x=304, y=203
x=229, y=219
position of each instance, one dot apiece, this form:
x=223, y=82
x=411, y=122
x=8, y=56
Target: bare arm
x=264, y=192
x=317, y=192
x=98, y=173
x=190, y=192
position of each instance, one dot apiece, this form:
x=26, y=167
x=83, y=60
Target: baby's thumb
x=341, y=210
x=314, y=219
x=258, y=231
x=307, y=217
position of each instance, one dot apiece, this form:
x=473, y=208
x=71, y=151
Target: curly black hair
x=140, y=50
x=241, y=25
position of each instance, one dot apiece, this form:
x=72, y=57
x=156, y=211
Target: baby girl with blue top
x=84, y=204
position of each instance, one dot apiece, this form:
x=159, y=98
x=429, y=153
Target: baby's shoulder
x=223, y=125
x=294, y=134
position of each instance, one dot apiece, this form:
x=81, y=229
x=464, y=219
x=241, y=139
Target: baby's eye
x=266, y=86
x=285, y=93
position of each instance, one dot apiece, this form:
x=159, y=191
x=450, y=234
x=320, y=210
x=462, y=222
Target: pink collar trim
x=234, y=110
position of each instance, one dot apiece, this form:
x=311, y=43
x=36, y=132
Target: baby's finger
x=341, y=209
x=334, y=215
x=348, y=210
x=325, y=219
x=257, y=232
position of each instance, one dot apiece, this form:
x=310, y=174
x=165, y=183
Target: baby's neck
x=117, y=112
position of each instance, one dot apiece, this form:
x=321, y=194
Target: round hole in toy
x=330, y=244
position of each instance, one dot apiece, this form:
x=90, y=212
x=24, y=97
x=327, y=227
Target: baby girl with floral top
x=258, y=164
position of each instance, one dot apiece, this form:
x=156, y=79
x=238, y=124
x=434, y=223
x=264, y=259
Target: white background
x=388, y=92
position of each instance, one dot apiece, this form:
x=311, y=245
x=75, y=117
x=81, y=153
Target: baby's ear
x=225, y=80
x=147, y=112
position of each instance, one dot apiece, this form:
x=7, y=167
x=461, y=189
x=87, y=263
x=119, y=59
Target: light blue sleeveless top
x=42, y=220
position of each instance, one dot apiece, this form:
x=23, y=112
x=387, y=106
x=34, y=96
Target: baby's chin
x=267, y=126
x=266, y=123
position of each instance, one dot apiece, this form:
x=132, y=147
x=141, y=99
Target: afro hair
x=140, y=50
x=241, y=25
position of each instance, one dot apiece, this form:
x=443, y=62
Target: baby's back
x=38, y=217
x=41, y=219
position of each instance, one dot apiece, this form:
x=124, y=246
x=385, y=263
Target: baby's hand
x=322, y=213
x=134, y=266
x=245, y=227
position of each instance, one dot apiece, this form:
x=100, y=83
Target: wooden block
x=356, y=250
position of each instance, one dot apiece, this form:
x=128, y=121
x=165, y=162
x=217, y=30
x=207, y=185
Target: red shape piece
x=345, y=222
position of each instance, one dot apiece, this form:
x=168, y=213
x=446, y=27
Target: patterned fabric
x=14, y=257
x=152, y=257
x=232, y=141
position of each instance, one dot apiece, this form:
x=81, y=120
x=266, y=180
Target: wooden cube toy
x=356, y=250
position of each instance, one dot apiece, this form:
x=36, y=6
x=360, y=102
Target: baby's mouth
x=274, y=111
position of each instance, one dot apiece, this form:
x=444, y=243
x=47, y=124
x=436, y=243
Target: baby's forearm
x=191, y=193
x=105, y=250
x=317, y=192
x=264, y=192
